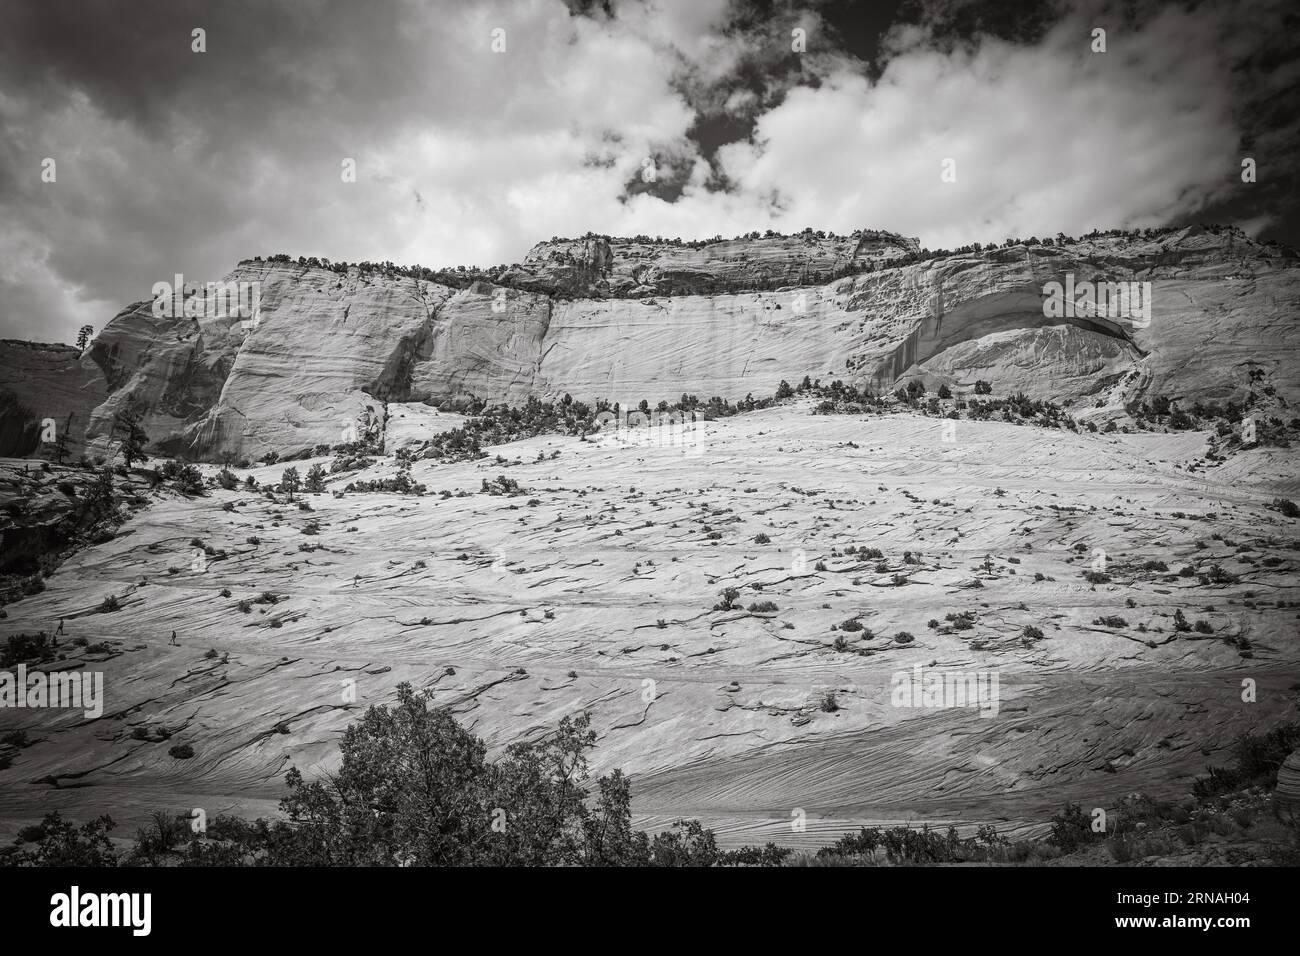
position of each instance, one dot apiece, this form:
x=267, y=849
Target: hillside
x=598, y=587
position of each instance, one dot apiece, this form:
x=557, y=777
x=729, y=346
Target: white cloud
x=507, y=149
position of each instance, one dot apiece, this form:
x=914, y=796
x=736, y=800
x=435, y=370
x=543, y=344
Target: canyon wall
x=628, y=320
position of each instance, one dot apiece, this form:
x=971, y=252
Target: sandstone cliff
x=629, y=320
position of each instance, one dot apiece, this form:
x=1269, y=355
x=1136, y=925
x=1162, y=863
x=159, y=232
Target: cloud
x=174, y=161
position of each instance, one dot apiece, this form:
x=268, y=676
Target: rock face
x=628, y=267
x=629, y=320
x=40, y=382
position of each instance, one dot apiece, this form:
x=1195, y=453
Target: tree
x=99, y=496
x=133, y=438
x=83, y=337
x=56, y=842
x=945, y=391
x=784, y=390
x=61, y=442
x=290, y=482
x=316, y=478
x=983, y=388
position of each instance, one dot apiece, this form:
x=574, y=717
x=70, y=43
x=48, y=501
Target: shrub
x=762, y=607
x=109, y=605
x=1072, y=828
x=1033, y=633
x=728, y=602
x=55, y=842
x=181, y=751
x=188, y=480
x=904, y=637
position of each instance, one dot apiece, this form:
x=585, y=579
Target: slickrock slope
x=596, y=588
x=593, y=319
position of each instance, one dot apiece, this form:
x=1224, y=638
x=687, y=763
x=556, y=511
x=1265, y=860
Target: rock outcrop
x=629, y=320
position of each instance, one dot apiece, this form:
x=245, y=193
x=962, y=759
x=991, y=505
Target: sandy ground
x=595, y=590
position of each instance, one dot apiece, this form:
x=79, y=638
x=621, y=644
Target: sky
x=478, y=129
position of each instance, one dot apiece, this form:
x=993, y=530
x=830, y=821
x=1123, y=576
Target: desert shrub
x=26, y=647
x=56, y=842
x=1287, y=507
x=762, y=607
x=904, y=637
x=1256, y=761
x=761, y=538
x=188, y=480
x=109, y=605
x=918, y=846
x=1072, y=828
x=181, y=752
x=1033, y=633
x=728, y=602
x=828, y=703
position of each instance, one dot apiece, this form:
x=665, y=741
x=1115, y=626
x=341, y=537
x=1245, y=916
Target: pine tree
x=133, y=439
